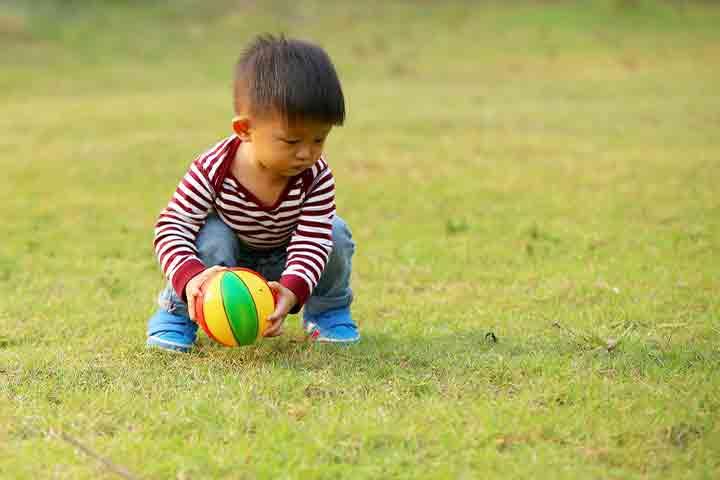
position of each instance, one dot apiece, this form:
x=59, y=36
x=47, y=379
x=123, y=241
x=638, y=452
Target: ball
x=233, y=306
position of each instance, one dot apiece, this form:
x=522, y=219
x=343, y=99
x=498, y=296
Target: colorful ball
x=233, y=306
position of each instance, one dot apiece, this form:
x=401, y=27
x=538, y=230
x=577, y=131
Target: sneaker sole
x=314, y=336
x=336, y=340
x=155, y=342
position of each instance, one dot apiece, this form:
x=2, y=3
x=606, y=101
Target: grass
x=546, y=171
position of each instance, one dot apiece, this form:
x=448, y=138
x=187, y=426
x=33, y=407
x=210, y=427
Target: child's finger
x=276, y=322
x=274, y=330
x=279, y=314
x=269, y=331
x=191, y=305
x=275, y=333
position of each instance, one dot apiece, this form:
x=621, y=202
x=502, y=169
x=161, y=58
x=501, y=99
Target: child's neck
x=264, y=184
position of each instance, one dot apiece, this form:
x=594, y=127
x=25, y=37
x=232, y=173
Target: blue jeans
x=217, y=244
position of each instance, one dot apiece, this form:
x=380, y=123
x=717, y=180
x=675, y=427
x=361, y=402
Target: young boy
x=264, y=199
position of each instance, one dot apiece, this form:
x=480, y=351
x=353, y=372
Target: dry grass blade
x=114, y=468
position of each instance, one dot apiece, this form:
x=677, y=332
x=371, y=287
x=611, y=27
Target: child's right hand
x=192, y=289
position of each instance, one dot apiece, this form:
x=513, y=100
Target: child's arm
x=309, y=248
x=179, y=223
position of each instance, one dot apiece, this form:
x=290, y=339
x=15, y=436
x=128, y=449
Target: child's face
x=287, y=149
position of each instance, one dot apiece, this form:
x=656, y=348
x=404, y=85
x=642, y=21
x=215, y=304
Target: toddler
x=264, y=198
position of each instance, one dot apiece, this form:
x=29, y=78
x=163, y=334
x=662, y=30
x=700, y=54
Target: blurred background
x=491, y=147
x=545, y=170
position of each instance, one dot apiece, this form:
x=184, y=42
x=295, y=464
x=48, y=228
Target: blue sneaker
x=171, y=332
x=331, y=326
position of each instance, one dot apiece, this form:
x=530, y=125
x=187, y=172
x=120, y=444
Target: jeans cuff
x=171, y=303
x=316, y=305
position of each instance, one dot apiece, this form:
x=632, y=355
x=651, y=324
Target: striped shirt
x=301, y=219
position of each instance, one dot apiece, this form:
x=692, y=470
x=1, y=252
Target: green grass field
x=547, y=171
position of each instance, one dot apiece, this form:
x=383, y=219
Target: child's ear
x=241, y=127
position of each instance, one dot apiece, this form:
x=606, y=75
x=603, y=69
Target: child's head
x=290, y=78
x=287, y=99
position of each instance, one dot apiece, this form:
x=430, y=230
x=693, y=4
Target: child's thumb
x=280, y=310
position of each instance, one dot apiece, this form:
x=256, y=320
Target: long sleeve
x=311, y=242
x=179, y=223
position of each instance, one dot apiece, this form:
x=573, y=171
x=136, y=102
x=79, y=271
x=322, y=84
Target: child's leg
x=333, y=290
x=171, y=327
x=326, y=315
x=327, y=311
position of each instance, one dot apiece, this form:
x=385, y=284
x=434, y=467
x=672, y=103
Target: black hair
x=291, y=77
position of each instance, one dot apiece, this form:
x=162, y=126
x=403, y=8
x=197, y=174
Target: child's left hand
x=286, y=300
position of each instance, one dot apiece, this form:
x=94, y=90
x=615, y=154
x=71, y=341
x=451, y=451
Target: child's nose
x=303, y=152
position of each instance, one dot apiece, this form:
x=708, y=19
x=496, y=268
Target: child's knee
x=343, y=244
x=335, y=280
x=216, y=243
x=340, y=261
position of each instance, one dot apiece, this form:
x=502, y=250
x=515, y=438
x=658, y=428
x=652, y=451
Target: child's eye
x=290, y=141
x=320, y=140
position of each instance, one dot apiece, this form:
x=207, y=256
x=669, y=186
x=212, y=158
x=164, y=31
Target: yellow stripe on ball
x=215, y=316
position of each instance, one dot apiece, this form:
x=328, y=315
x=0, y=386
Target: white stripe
x=323, y=242
x=268, y=237
x=237, y=199
x=322, y=178
x=172, y=244
x=325, y=177
x=185, y=205
x=324, y=197
x=218, y=161
x=182, y=261
x=179, y=251
x=283, y=229
x=186, y=216
x=173, y=229
x=307, y=264
x=306, y=228
x=281, y=223
x=175, y=219
x=210, y=158
x=291, y=215
x=253, y=243
x=312, y=273
x=252, y=205
x=204, y=187
x=312, y=208
x=203, y=201
x=321, y=259
x=295, y=270
x=173, y=266
x=205, y=158
x=325, y=218
x=308, y=248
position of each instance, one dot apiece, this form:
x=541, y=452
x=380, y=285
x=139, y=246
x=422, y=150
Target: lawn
x=534, y=189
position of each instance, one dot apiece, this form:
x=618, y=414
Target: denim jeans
x=217, y=244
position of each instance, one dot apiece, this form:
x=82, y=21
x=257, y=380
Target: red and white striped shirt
x=301, y=219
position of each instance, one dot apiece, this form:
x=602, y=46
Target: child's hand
x=192, y=289
x=286, y=300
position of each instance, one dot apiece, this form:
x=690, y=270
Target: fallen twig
x=116, y=469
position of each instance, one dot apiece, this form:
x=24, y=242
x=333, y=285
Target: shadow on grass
x=498, y=360
x=377, y=357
